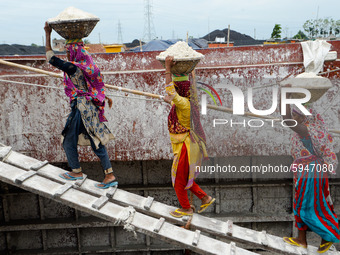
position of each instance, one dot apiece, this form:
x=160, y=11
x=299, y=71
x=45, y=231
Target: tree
x=276, y=34
x=86, y=41
x=300, y=35
x=34, y=45
x=336, y=27
x=321, y=27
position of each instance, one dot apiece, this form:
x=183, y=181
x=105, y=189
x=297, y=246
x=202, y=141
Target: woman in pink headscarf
x=85, y=125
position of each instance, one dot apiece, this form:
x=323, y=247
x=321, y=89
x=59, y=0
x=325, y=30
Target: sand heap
x=72, y=13
x=180, y=51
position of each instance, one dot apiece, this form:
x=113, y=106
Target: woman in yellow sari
x=187, y=139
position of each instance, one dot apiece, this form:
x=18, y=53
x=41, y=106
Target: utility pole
x=209, y=29
x=228, y=36
x=287, y=32
x=149, y=29
x=120, y=35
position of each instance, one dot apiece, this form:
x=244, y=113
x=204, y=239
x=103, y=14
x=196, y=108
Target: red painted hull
x=32, y=117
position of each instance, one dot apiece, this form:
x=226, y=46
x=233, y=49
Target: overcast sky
x=22, y=21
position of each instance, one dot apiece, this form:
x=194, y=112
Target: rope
x=336, y=95
x=331, y=71
x=270, y=85
x=138, y=98
x=110, y=94
x=125, y=218
x=29, y=84
x=330, y=105
x=277, y=83
x=187, y=225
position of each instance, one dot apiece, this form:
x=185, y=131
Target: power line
x=149, y=28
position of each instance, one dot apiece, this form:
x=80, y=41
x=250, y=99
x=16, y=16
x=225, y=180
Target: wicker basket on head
x=316, y=93
x=317, y=86
x=182, y=66
x=74, y=29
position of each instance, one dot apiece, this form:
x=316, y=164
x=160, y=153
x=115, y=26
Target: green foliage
x=34, y=45
x=316, y=28
x=276, y=34
x=300, y=35
x=86, y=41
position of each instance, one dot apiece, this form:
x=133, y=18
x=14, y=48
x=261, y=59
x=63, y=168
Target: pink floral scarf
x=94, y=80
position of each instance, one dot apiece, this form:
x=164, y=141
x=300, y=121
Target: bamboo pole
x=37, y=70
x=31, y=69
x=136, y=92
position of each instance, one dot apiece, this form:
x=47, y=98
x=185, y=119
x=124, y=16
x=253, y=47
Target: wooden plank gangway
x=135, y=212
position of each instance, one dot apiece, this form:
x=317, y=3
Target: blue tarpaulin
x=161, y=45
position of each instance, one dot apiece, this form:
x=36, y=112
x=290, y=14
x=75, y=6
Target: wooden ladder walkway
x=42, y=178
x=36, y=177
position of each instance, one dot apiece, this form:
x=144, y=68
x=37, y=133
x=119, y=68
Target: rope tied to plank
x=187, y=225
x=125, y=218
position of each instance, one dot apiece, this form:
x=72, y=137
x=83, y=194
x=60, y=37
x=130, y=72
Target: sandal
x=179, y=214
x=290, y=241
x=325, y=247
x=107, y=185
x=205, y=206
x=69, y=177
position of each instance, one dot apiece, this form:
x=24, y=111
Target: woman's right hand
x=169, y=62
x=47, y=28
x=168, y=98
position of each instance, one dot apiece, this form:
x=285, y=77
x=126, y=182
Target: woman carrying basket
x=85, y=125
x=314, y=159
x=187, y=139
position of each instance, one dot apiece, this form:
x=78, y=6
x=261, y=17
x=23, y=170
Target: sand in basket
x=186, y=58
x=317, y=85
x=73, y=23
